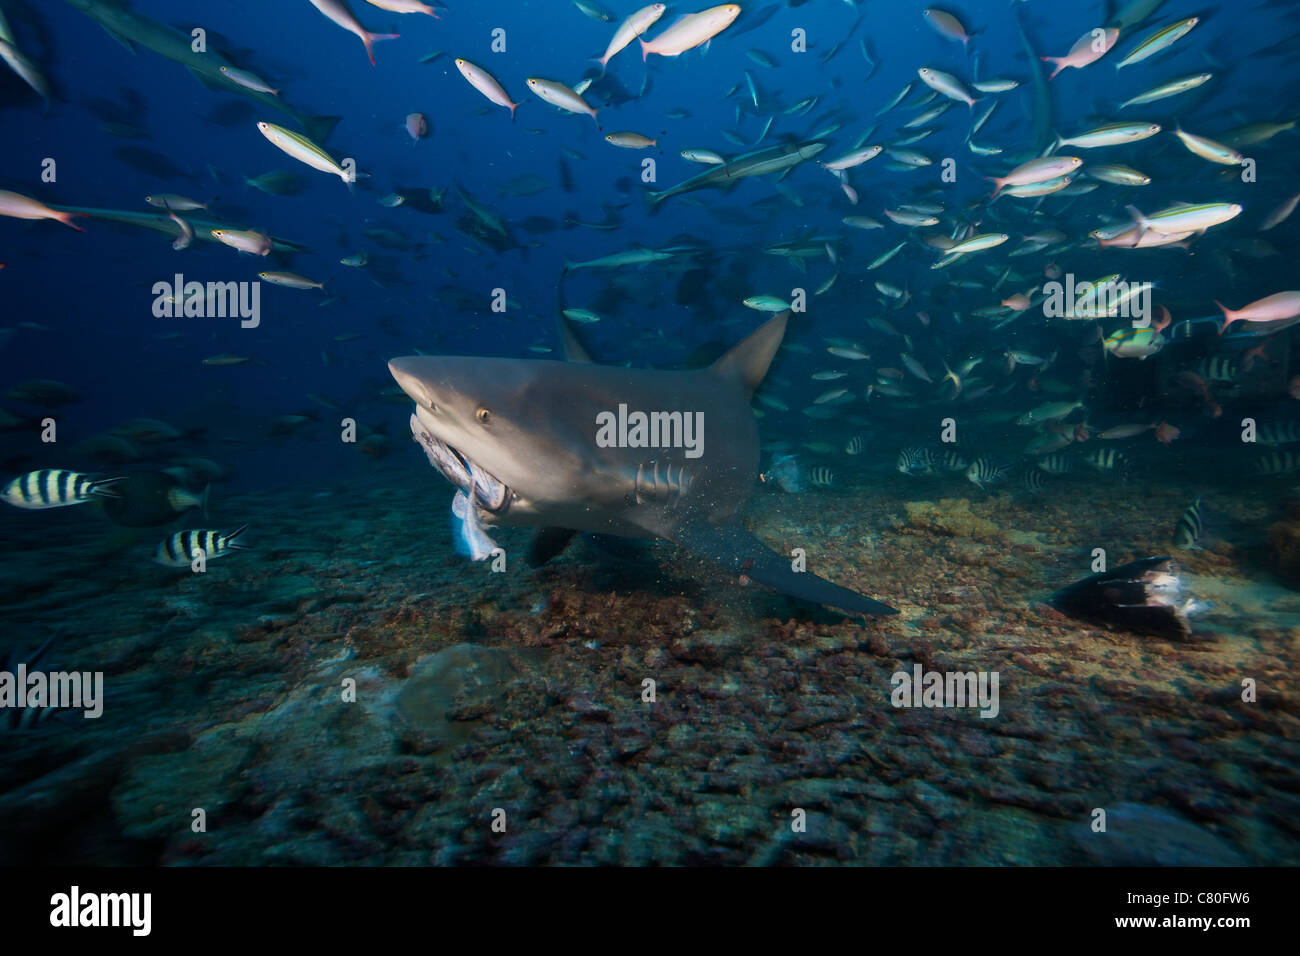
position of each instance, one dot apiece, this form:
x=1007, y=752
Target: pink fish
x=486, y=83
x=341, y=14
x=692, y=30
x=24, y=207
x=946, y=25
x=1274, y=308
x=1036, y=171
x=404, y=6
x=417, y=126
x=1087, y=49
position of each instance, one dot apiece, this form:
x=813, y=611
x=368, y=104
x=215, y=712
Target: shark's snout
x=420, y=377
x=408, y=379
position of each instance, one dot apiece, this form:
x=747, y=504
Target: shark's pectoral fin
x=547, y=543
x=735, y=549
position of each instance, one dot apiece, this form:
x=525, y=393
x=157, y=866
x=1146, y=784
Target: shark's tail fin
x=734, y=548
x=747, y=361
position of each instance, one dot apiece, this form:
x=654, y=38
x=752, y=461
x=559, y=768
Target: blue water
x=94, y=289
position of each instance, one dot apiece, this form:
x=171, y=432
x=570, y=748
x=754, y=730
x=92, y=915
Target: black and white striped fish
x=1278, y=463
x=1055, y=463
x=949, y=459
x=983, y=471
x=1279, y=433
x=1107, y=459
x=1217, y=369
x=919, y=460
x=916, y=461
x=55, y=488
x=855, y=445
x=178, y=550
x=29, y=718
x=821, y=476
x=1188, y=530
x=1035, y=480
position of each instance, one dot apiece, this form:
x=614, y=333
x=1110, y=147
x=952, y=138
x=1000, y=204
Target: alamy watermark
x=1110, y=299
x=946, y=689
x=637, y=429
x=78, y=909
x=81, y=690
x=217, y=300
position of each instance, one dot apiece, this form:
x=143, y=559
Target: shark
x=773, y=159
x=160, y=222
x=558, y=445
x=131, y=29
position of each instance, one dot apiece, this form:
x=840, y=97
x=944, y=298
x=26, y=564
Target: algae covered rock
x=448, y=691
x=950, y=516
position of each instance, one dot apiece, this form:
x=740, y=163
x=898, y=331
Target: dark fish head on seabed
x=1143, y=596
x=785, y=473
x=147, y=498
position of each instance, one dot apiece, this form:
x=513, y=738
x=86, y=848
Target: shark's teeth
x=490, y=493
x=440, y=456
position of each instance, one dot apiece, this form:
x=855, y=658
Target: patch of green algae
x=951, y=516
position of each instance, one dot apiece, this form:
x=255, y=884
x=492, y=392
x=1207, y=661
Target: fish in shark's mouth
x=489, y=492
x=475, y=489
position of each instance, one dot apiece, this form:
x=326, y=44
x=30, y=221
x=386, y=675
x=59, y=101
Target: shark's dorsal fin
x=572, y=349
x=747, y=361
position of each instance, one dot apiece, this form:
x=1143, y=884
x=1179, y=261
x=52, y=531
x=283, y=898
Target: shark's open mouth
x=488, y=491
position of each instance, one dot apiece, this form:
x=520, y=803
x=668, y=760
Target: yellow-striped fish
x=245, y=240
x=1209, y=149
x=290, y=280
x=1158, y=41
x=305, y=151
x=557, y=94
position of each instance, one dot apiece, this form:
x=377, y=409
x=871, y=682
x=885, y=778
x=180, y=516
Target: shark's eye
x=483, y=415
